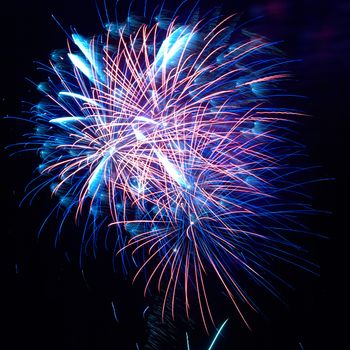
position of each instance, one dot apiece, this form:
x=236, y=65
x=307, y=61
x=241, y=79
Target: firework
x=167, y=130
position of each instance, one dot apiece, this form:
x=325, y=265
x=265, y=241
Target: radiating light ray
x=187, y=342
x=217, y=334
x=81, y=65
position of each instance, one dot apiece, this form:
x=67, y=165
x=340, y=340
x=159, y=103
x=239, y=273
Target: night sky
x=50, y=304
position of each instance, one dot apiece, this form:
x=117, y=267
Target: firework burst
x=167, y=132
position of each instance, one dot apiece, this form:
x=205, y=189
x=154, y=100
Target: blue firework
x=170, y=132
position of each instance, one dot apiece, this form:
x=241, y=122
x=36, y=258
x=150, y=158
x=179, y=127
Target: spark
x=114, y=312
x=217, y=334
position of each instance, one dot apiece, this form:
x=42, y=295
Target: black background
x=50, y=304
